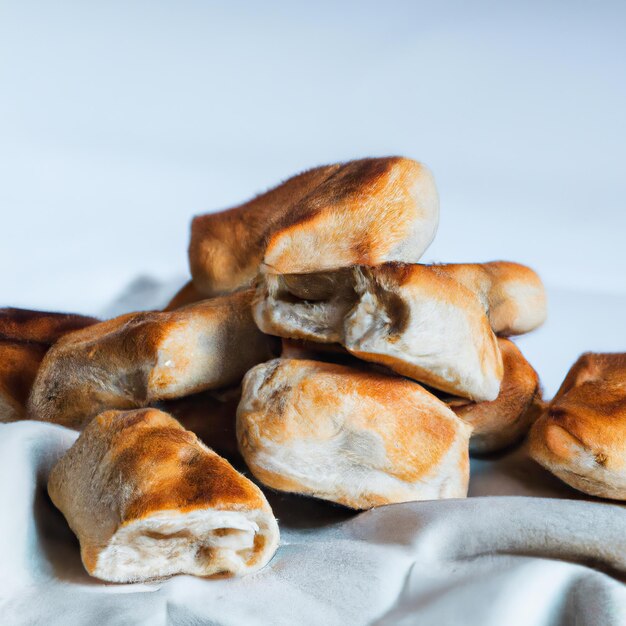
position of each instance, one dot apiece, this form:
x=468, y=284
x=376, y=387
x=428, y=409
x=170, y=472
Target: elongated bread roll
x=361, y=212
x=140, y=358
x=146, y=499
x=358, y=438
x=411, y=318
x=19, y=362
x=25, y=337
x=581, y=438
x=514, y=295
x=505, y=420
x=39, y=326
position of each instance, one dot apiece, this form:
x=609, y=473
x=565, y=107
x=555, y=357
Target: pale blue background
x=120, y=120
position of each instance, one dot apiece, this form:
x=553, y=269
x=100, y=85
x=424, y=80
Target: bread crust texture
x=148, y=500
x=411, y=318
x=364, y=212
x=581, y=437
x=357, y=438
x=141, y=358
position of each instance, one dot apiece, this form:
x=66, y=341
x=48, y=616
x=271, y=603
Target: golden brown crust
x=25, y=336
x=140, y=358
x=351, y=436
x=506, y=419
x=514, y=295
x=411, y=318
x=19, y=361
x=362, y=212
x=127, y=467
x=39, y=326
x=581, y=437
x=187, y=294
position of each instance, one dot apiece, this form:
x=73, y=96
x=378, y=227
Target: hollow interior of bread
x=202, y=543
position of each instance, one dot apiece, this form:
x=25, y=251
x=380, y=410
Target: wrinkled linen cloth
x=522, y=549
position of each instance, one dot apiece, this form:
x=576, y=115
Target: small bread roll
x=140, y=358
x=505, y=420
x=39, y=326
x=360, y=439
x=514, y=295
x=361, y=212
x=19, y=362
x=581, y=438
x=412, y=318
x=147, y=499
x=25, y=337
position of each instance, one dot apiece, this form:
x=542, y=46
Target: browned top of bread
x=19, y=361
x=129, y=466
x=591, y=404
x=360, y=212
x=140, y=358
x=39, y=326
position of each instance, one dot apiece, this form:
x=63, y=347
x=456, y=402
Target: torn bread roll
x=505, y=420
x=412, y=318
x=360, y=439
x=140, y=358
x=25, y=337
x=361, y=212
x=147, y=499
x=581, y=438
x=513, y=294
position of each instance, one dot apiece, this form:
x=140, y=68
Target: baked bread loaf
x=141, y=358
x=412, y=318
x=361, y=439
x=505, y=420
x=513, y=294
x=581, y=438
x=147, y=499
x=25, y=336
x=361, y=212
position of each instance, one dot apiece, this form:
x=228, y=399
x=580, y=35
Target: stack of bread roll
x=309, y=344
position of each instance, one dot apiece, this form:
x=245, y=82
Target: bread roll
x=361, y=212
x=412, y=318
x=140, y=358
x=146, y=499
x=39, y=326
x=505, y=420
x=581, y=438
x=187, y=294
x=25, y=336
x=513, y=294
x=19, y=362
x=361, y=439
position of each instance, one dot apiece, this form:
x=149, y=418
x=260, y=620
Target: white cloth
x=523, y=549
